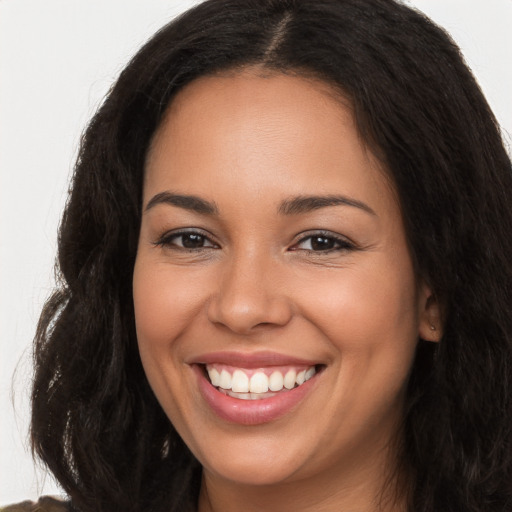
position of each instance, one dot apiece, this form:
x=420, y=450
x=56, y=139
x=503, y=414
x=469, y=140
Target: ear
x=430, y=325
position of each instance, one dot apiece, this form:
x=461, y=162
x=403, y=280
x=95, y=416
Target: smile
x=254, y=389
x=250, y=384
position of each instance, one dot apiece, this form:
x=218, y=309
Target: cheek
x=165, y=304
x=364, y=300
x=371, y=320
x=369, y=316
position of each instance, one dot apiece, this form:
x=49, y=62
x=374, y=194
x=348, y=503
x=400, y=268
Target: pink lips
x=250, y=412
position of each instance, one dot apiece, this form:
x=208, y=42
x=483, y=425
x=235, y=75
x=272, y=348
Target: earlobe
x=430, y=325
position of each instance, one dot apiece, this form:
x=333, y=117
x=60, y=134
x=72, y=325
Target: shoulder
x=44, y=504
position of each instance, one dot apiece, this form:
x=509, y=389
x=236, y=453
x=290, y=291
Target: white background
x=57, y=60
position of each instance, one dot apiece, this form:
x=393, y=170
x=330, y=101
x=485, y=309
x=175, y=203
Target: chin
x=251, y=472
x=261, y=462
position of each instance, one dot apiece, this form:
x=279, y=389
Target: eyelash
x=167, y=241
x=339, y=243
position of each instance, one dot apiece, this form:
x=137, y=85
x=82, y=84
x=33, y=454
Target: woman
x=286, y=277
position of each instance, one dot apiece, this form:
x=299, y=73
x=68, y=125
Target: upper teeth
x=239, y=381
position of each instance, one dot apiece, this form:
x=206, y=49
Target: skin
x=248, y=142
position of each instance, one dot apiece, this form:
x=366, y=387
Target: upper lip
x=251, y=360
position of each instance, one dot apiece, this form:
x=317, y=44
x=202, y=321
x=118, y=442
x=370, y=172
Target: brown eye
x=320, y=242
x=192, y=240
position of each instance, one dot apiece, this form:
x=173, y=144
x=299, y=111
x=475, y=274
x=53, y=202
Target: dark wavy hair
x=96, y=423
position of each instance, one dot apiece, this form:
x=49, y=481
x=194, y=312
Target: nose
x=250, y=296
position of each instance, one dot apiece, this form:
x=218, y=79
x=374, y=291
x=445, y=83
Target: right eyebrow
x=188, y=202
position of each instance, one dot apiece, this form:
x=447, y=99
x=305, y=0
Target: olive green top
x=44, y=504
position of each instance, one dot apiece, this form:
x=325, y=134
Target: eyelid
x=343, y=242
x=165, y=239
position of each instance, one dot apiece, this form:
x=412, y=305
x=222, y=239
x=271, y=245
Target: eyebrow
x=192, y=203
x=304, y=204
x=293, y=206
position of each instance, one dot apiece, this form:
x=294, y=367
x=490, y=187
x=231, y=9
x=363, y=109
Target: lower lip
x=251, y=412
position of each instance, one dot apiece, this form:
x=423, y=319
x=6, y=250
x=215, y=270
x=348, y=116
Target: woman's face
x=272, y=250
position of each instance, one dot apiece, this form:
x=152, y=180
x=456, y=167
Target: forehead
x=258, y=132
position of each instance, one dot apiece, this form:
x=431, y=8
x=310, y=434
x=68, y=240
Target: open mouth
x=258, y=384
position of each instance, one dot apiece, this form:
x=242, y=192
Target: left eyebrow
x=305, y=204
